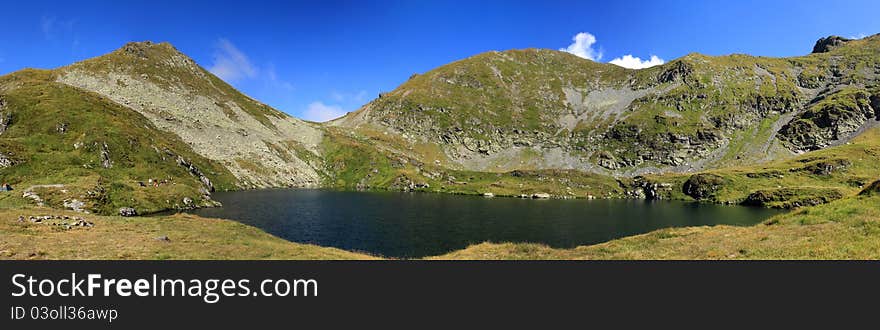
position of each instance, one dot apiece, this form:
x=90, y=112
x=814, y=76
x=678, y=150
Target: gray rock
x=105, y=156
x=127, y=212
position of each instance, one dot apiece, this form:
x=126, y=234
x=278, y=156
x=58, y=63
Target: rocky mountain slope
x=261, y=146
x=544, y=109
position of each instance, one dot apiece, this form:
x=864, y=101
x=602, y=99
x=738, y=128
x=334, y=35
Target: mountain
x=545, y=109
x=261, y=146
x=145, y=129
x=95, y=135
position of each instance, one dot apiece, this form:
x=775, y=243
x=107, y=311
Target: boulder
x=540, y=195
x=488, y=194
x=127, y=212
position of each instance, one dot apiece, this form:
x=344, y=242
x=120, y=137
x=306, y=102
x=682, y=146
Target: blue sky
x=319, y=59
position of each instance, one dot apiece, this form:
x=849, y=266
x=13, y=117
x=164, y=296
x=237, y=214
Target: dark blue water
x=412, y=225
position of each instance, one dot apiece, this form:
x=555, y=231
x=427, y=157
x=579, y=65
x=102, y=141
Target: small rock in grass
x=127, y=212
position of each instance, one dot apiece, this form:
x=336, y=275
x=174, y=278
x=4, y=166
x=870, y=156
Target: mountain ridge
x=515, y=122
x=782, y=85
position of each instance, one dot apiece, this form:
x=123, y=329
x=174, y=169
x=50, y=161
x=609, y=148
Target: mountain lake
x=412, y=225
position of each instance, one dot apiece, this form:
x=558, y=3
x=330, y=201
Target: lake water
x=410, y=225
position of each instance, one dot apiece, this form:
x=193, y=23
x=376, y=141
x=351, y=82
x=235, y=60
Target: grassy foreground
x=188, y=237
x=845, y=229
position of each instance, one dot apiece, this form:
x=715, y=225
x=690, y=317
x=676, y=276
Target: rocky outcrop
x=5, y=161
x=824, y=45
x=63, y=221
x=836, y=117
x=676, y=71
x=788, y=198
x=75, y=205
x=825, y=167
x=5, y=116
x=105, y=156
x=194, y=171
x=703, y=186
x=643, y=188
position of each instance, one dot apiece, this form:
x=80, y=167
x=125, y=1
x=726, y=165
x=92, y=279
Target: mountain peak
x=148, y=49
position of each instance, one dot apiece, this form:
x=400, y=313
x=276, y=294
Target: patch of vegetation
x=787, y=198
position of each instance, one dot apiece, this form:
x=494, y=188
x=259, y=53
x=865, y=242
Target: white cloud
x=231, y=64
x=629, y=61
x=52, y=26
x=357, y=97
x=859, y=36
x=583, y=47
x=273, y=81
x=320, y=112
x=46, y=24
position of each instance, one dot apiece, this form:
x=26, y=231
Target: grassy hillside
x=812, y=178
x=498, y=110
x=68, y=146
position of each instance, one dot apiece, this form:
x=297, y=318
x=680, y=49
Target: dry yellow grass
x=190, y=237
